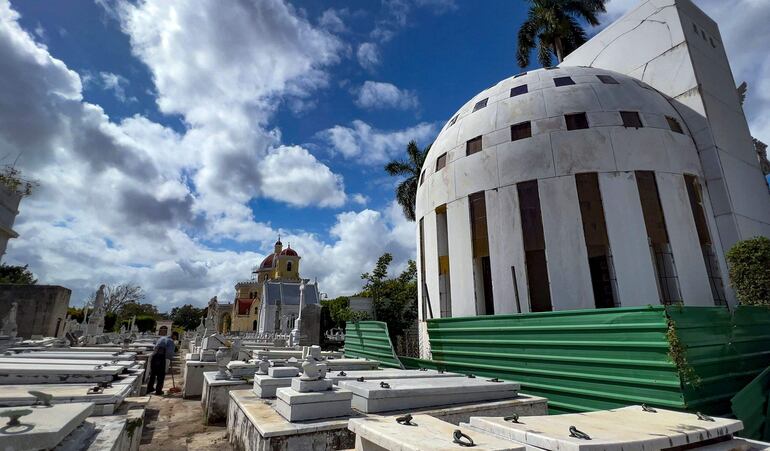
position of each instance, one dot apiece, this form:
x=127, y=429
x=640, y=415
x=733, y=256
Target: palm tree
x=406, y=191
x=552, y=26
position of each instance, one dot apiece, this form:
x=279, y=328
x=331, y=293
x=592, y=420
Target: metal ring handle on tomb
x=462, y=439
x=577, y=433
x=406, y=420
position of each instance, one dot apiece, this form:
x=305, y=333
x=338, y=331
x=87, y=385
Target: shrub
x=145, y=323
x=749, y=262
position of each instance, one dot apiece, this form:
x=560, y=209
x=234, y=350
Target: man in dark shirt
x=164, y=349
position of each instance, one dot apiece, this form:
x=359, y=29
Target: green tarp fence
x=689, y=358
x=370, y=340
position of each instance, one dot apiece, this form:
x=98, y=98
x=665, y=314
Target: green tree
x=374, y=280
x=394, y=300
x=17, y=275
x=135, y=309
x=749, y=262
x=553, y=27
x=406, y=191
x=145, y=323
x=188, y=317
x=76, y=313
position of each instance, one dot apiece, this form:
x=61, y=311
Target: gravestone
x=312, y=396
x=310, y=327
x=399, y=394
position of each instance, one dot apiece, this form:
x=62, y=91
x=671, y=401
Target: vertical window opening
x=709, y=255
x=480, y=104
x=441, y=162
x=442, y=245
x=631, y=119
x=674, y=125
x=600, y=262
x=521, y=130
x=657, y=237
x=422, y=177
x=473, y=146
x=425, y=298
x=534, y=247
x=519, y=90
x=576, y=121
x=482, y=270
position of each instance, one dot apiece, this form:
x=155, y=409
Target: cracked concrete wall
x=683, y=57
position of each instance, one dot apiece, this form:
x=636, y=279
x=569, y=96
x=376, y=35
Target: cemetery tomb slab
x=44, y=427
x=266, y=386
x=253, y=423
x=386, y=373
x=311, y=386
x=296, y=406
x=283, y=371
x=628, y=429
x=375, y=433
x=193, y=377
x=399, y=394
x=216, y=395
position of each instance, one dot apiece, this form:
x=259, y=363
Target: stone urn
x=263, y=365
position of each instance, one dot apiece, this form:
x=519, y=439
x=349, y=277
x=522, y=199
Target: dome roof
x=290, y=252
x=517, y=131
x=267, y=262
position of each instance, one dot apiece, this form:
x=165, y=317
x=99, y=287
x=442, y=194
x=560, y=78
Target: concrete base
x=105, y=403
x=285, y=371
x=399, y=394
x=253, y=424
x=351, y=364
x=375, y=433
x=215, y=397
x=266, y=386
x=301, y=386
x=626, y=428
x=298, y=406
x=193, y=377
x=113, y=433
x=44, y=427
x=385, y=374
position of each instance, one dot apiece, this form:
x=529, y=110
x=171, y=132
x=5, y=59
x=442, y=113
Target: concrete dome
x=552, y=150
x=563, y=188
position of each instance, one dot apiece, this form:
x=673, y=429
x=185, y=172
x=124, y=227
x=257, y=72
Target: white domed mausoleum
x=620, y=184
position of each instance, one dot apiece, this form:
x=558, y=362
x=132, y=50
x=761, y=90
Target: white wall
x=461, y=258
x=565, y=247
x=506, y=250
x=680, y=225
x=628, y=239
x=431, y=263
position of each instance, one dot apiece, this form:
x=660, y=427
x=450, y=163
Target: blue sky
x=173, y=139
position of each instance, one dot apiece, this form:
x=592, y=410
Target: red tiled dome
x=267, y=262
x=290, y=252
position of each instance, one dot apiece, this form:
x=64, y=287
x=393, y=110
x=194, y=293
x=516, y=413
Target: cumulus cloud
x=293, y=175
x=331, y=20
x=368, y=55
x=377, y=95
x=117, y=84
x=367, y=145
x=135, y=201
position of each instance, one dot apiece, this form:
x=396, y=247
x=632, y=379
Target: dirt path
x=173, y=423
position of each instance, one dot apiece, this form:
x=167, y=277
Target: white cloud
x=291, y=174
x=117, y=84
x=360, y=199
x=137, y=201
x=368, y=55
x=331, y=20
x=743, y=26
x=377, y=95
x=368, y=145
